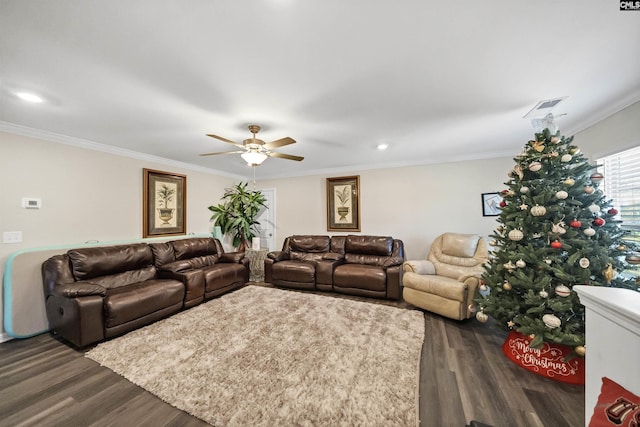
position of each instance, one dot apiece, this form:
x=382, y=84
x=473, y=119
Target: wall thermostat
x=31, y=203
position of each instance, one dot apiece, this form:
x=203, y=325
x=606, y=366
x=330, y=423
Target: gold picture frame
x=343, y=203
x=164, y=202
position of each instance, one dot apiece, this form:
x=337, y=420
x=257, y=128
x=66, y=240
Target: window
x=622, y=184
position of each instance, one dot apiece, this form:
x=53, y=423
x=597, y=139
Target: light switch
x=31, y=203
x=11, y=236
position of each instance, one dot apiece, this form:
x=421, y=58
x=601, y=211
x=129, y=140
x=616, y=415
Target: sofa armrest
x=193, y=282
x=79, y=289
x=277, y=256
x=394, y=281
x=391, y=261
x=233, y=257
x=419, y=266
x=177, y=266
x=333, y=256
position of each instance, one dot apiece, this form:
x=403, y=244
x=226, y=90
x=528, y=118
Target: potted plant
x=237, y=214
x=165, y=195
x=343, y=197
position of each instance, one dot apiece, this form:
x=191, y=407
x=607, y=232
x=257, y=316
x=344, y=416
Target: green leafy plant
x=165, y=195
x=236, y=215
x=343, y=195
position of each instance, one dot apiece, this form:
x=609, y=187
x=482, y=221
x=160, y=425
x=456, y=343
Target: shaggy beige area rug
x=269, y=357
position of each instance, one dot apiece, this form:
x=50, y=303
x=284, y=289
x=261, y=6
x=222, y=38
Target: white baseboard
x=5, y=337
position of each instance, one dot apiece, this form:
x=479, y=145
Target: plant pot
x=165, y=214
x=548, y=361
x=343, y=211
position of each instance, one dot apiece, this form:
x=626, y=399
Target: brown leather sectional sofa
x=368, y=266
x=96, y=293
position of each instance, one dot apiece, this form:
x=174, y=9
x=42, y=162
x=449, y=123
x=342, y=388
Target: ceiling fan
x=255, y=151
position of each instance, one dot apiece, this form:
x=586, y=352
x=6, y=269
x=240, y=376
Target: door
x=266, y=218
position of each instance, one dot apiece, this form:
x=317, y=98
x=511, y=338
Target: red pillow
x=616, y=406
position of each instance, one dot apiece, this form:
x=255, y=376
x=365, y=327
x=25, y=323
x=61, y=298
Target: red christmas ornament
x=503, y=204
x=613, y=211
x=556, y=244
x=598, y=222
x=575, y=224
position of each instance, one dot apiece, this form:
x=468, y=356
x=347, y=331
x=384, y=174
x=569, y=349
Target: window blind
x=622, y=184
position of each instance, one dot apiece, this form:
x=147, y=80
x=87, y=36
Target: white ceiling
x=436, y=80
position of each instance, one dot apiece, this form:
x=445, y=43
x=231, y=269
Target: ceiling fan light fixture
x=253, y=157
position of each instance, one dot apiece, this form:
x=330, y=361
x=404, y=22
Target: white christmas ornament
x=566, y=158
x=548, y=261
x=561, y=195
x=524, y=189
x=509, y=266
x=593, y=208
x=584, y=262
x=520, y=263
x=471, y=308
x=551, y=321
x=562, y=291
x=535, y=166
x=482, y=317
x=589, y=189
x=515, y=235
x=589, y=232
x=543, y=294
x=538, y=210
x=559, y=228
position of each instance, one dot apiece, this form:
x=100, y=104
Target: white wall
x=618, y=132
x=414, y=204
x=86, y=195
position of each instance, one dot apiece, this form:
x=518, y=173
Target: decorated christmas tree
x=557, y=230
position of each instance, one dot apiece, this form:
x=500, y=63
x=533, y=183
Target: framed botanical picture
x=491, y=204
x=343, y=203
x=164, y=204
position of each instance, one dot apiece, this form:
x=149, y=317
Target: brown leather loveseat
x=368, y=266
x=96, y=293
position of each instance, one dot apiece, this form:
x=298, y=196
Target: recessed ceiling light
x=29, y=97
x=382, y=146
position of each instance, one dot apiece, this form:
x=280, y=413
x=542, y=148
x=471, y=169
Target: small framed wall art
x=164, y=204
x=491, y=204
x=343, y=203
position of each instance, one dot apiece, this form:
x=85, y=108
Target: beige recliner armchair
x=447, y=281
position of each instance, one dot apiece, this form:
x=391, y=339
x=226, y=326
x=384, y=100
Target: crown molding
x=96, y=146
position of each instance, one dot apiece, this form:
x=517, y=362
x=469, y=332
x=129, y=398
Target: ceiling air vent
x=543, y=108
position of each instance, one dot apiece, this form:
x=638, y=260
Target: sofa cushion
x=162, y=253
x=219, y=276
x=125, y=304
x=126, y=277
x=203, y=261
x=369, y=245
x=87, y=263
x=459, y=245
x=309, y=244
x=294, y=271
x=360, y=276
x=442, y=286
x=194, y=247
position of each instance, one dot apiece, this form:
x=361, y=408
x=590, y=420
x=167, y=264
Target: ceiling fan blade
x=223, y=152
x=286, y=156
x=280, y=142
x=225, y=140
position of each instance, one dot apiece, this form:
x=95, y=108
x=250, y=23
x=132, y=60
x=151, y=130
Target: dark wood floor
x=464, y=376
